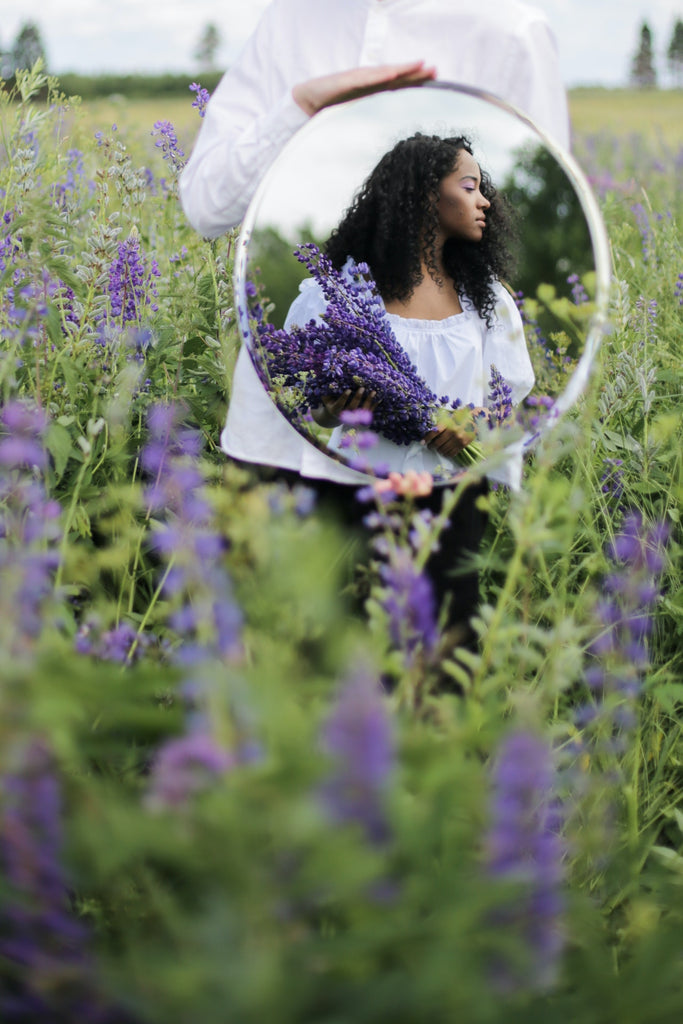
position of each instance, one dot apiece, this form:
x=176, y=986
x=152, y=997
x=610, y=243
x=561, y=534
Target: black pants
x=455, y=584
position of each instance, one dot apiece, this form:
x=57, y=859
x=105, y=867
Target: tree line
x=643, y=69
x=28, y=47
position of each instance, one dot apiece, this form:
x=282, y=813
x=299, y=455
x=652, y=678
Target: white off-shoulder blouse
x=454, y=357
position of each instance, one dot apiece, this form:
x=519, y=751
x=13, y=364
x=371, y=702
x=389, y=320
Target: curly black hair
x=392, y=225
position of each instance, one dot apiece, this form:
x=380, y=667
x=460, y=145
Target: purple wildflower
x=351, y=346
x=64, y=194
x=409, y=602
x=122, y=644
x=624, y=621
x=197, y=581
x=645, y=320
x=500, y=398
x=579, y=293
x=186, y=766
x=202, y=97
x=23, y=444
x=678, y=290
x=28, y=529
x=523, y=848
x=356, y=418
x=167, y=142
x=612, y=480
x=131, y=281
x=358, y=736
x=47, y=974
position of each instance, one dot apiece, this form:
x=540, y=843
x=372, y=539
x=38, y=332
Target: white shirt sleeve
x=249, y=118
x=309, y=304
x=505, y=346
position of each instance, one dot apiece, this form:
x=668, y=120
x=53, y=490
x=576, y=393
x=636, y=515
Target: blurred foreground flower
x=523, y=848
x=45, y=970
x=408, y=599
x=184, y=767
x=624, y=618
x=359, y=738
x=29, y=528
x=206, y=614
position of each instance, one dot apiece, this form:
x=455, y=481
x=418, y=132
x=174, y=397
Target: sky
x=596, y=38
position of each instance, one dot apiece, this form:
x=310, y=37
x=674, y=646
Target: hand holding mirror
x=563, y=268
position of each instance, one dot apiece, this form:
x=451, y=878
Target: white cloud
x=596, y=38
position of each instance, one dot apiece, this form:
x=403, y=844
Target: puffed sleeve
x=249, y=118
x=309, y=304
x=505, y=346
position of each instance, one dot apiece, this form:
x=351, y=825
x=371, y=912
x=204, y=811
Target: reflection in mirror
x=553, y=285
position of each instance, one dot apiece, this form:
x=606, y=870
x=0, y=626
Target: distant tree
x=207, y=46
x=674, y=55
x=553, y=237
x=643, y=74
x=28, y=47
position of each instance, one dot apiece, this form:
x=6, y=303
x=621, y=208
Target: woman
x=435, y=235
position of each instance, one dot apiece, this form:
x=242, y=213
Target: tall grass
x=210, y=807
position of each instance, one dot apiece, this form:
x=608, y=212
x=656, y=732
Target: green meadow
x=244, y=778
x=654, y=115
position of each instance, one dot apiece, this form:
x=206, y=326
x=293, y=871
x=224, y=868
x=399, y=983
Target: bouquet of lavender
x=352, y=347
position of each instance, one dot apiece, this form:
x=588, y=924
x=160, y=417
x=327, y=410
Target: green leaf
x=58, y=443
x=81, y=521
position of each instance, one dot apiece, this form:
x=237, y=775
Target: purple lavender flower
x=409, y=602
x=23, y=445
x=358, y=736
x=351, y=346
x=205, y=605
x=579, y=293
x=500, y=398
x=186, y=766
x=202, y=97
x=131, y=282
x=28, y=529
x=523, y=848
x=47, y=973
x=624, y=623
x=678, y=290
x=167, y=142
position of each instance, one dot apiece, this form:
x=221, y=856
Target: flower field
x=228, y=794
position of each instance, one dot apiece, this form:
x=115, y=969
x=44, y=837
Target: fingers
x=447, y=441
x=349, y=401
x=326, y=91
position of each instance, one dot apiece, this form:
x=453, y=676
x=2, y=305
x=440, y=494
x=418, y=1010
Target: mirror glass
x=558, y=282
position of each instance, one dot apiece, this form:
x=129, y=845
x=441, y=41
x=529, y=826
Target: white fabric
x=504, y=47
x=454, y=356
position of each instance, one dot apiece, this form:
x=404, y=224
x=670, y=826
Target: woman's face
x=461, y=208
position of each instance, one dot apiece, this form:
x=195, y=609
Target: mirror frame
x=597, y=326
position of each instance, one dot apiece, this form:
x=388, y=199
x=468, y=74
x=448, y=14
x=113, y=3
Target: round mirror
x=535, y=341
